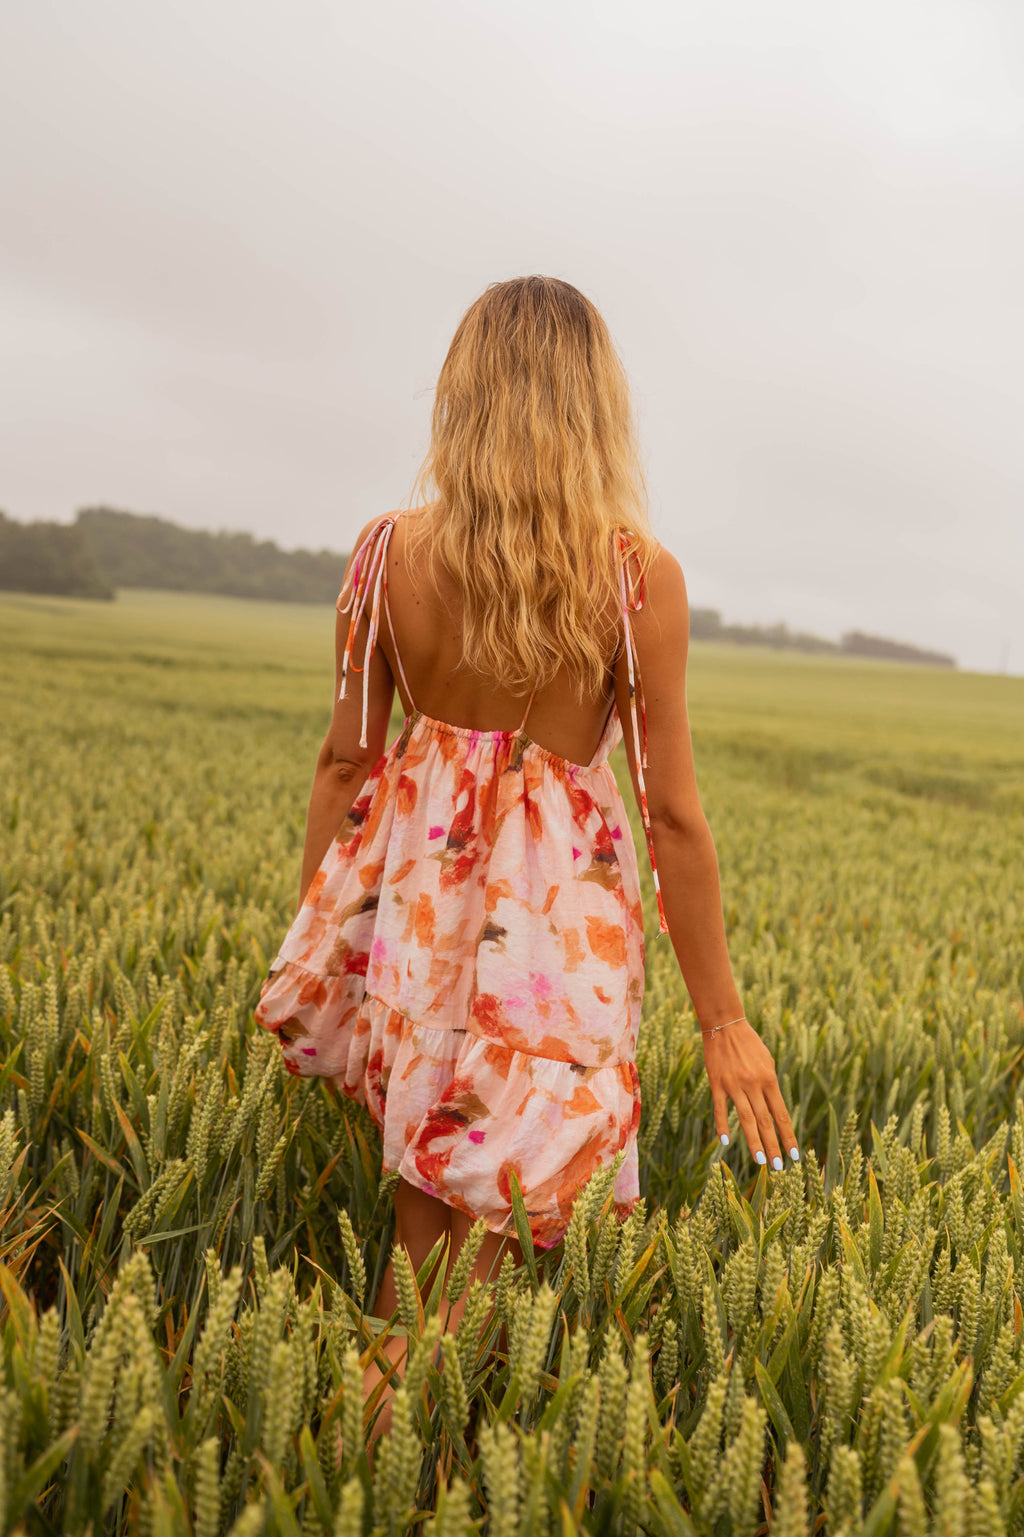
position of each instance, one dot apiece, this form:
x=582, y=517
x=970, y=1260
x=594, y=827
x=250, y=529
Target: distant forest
x=105, y=549
x=706, y=624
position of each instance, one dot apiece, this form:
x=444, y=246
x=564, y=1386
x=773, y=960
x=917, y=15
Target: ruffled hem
x=458, y=1113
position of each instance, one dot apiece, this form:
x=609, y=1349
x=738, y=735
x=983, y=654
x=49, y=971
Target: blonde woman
x=467, y=957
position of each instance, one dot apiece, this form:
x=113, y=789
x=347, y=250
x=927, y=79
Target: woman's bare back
x=428, y=632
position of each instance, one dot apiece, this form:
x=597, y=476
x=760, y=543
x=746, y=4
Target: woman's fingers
x=766, y=1130
x=777, y=1106
x=721, y=1107
x=748, y=1121
x=765, y=1121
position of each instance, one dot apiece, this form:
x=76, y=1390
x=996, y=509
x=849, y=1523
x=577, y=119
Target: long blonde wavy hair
x=533, y=463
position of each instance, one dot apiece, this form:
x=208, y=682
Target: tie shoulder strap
x=632, y=592
x=529, y=705
x=368, y=575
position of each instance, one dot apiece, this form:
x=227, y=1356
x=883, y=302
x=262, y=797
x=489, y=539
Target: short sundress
x=468, y=961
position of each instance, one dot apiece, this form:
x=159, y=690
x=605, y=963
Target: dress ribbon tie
x=368, y=580
x=632, y=593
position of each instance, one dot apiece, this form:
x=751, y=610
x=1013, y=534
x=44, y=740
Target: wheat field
x=191, y=1240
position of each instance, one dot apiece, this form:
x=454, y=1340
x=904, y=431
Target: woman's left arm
x=739, y=1065
x=342, y=765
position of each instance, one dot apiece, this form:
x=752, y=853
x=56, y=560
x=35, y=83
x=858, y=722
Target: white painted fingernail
x=725, y=1139
x=760, y=1156
x=794, y=1153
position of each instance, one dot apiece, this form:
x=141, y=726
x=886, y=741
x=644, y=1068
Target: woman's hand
x=741, y=1068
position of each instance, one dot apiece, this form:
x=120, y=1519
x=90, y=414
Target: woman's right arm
x=739, y=1065
x=342, y=765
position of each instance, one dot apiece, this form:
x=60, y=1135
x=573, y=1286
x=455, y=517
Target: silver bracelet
x=715, y=1028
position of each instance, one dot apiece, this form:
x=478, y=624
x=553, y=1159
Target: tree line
x=105, y=549
x=706, y=624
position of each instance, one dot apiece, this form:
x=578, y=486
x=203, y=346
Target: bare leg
x=486, y=1268
x=420, y=1220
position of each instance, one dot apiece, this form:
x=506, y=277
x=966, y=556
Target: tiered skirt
x=458, y=1113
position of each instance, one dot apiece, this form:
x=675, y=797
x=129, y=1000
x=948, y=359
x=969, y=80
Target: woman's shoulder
x=362, y=545
x=653, y=574
x=381, y=520
x=377, y=522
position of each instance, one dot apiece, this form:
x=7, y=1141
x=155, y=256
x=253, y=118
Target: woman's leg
x=420, y=1220
x=486, y=1267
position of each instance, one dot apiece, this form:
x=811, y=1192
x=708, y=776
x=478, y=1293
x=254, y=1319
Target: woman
x=467, y=958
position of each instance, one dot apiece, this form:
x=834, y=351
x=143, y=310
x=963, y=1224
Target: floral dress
x=468, y=961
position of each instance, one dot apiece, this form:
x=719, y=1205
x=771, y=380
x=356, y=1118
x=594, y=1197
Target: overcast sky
x=236, y=236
